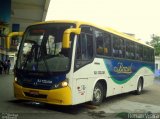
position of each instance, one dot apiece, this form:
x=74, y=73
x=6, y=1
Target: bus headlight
x=64, y=84
x=15, y=79
x=60, y=85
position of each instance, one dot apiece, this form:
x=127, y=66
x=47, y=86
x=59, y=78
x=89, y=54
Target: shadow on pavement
x=73, y=109
x=36, y=105
x=77, y=109
x=123, y=96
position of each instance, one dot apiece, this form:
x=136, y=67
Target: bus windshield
x=41, y=49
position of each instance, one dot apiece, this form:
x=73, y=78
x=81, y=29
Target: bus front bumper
x=61, y=96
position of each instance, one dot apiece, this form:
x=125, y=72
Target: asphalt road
x=118, y=107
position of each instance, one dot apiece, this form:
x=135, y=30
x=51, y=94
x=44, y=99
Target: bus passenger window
x=99, y=42
x=121, y=48
x=107, y=44
x=130, y=50
x=116, y=47
x=105, y=51
x=99, y=45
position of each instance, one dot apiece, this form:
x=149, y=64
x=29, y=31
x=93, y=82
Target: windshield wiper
x=30, y=55
x=35, y=55
x=42, y=54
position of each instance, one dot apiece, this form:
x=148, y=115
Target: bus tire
x=98, y=94
x=139, y=87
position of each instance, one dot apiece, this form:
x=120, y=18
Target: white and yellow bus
x=72, y=62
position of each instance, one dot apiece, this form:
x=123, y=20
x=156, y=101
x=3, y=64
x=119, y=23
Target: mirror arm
x=66, y=36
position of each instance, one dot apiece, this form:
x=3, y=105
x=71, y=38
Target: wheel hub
x=97, y=94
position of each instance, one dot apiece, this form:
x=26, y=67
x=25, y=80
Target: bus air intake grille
x=35, y=96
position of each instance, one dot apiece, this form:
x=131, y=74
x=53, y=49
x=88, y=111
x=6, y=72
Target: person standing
x=8, y=66
x=4, y=64
x=1, y=67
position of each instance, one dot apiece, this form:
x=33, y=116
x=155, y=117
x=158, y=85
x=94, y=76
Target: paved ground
x=113, y=107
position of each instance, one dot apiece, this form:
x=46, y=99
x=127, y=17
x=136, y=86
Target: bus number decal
x=99, y=72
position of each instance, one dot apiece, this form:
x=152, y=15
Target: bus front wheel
x=98, y=94
x=139, y=87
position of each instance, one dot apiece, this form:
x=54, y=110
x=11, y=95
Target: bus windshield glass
x=41, y=49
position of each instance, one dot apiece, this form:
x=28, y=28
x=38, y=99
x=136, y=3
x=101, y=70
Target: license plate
x=32, y=92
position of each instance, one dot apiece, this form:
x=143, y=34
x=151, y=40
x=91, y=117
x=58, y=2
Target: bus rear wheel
x=139, y=87
x=98, y=94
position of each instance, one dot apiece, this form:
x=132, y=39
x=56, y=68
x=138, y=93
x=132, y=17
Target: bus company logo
x=35, y=83
x=123, y=69
x=44, y=81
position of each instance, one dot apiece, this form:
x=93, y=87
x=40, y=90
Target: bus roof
x=107, y=29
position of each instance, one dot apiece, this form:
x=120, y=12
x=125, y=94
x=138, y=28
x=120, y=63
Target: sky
x=139, y=17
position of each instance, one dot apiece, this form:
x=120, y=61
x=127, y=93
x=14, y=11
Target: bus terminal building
x=15, y=16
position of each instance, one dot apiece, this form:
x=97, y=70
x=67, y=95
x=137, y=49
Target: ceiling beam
x=45, y=9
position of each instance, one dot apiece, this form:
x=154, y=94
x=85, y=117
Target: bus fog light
x=64, y=84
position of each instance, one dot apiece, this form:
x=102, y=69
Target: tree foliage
x=155, y=42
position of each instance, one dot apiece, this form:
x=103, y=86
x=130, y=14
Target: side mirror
x=10, y=35
x=66, y=36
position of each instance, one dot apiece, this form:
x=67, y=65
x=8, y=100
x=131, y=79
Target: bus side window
x=89, y=46
x=115, y=50
x=128, y=52
x=84, y=50
x=107, y=45
x=99, y=42
x=78, y=49
x=103, y=43
x=86, y=46
x=121, y=51
x=99, y=45
x=83, y=46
